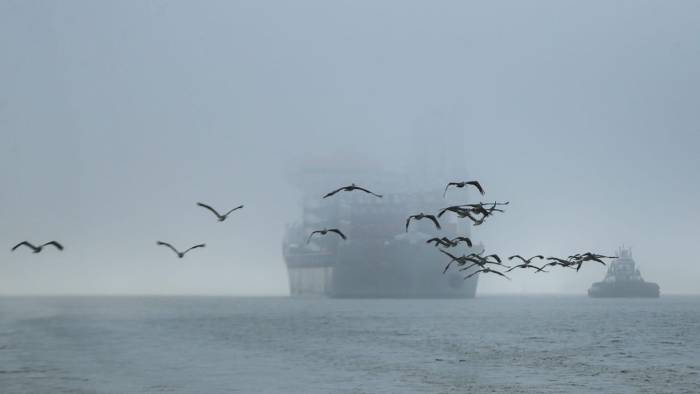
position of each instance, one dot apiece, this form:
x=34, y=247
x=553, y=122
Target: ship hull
x=393, y=271
x=624, y=289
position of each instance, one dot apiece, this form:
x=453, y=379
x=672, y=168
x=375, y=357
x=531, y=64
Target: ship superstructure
x=379, y=258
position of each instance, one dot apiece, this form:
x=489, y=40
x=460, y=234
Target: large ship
x=623, y=280
x=380, y=258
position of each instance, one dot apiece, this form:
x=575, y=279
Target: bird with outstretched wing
x=177, y=252
x=421, y=216
x=326, y=231
x=37, y=249
x=351, y=188
x=215, y=212
x=476, y=184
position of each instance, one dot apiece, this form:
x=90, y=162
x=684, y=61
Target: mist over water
x=116, y=118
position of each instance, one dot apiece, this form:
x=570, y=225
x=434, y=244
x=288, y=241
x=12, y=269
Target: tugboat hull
x=622, y=289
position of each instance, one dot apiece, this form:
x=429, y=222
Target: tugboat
x=623, y=280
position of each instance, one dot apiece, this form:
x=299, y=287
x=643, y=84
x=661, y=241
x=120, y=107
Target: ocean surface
x=502, y=344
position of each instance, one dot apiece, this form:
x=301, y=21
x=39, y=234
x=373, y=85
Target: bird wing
x=161, y=243
x=475, y=259
x=439, y=241
x=447, y=187
x=495, y=257
x=367, y=191
x=434, y=219
x=229, y=212
x=517, y=266
x=479, y=222
x=333, y=192
x=465, y=239
x=194, y=247
x=25, y=243
x=409, y=221
x=479, y=209
x=447, y=266
x=464, y=213
x=499, y=273
x=518, y=256
x=335, y=230
x=450, y=255
x=311, y=235
x=442, y=212
x=477, y=185
x=209, y=208
x=472, y=274
x=597, y=259
x=54, y=243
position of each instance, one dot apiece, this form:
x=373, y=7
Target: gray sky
x=116, y=117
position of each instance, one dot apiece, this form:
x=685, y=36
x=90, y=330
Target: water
x=277, y=345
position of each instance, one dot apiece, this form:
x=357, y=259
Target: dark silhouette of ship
x=379, y=258
x=623, y=280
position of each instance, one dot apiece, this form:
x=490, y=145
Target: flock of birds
x=476, y=212
x=471, y=260
x=180, y=254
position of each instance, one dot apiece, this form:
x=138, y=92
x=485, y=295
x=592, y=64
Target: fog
x=117, y=117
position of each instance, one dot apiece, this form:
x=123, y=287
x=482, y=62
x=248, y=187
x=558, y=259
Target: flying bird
x=351, y=188
x=463, y=259
x=526, y=265
x=551, y=264
x=466, y=240
x=473, y=258
x=460, y=211
x=452, y=257
x=444, y=241
x=326, y=231
x=559, y=261
x=590, y=256
x=486, y=271
x=495, y=257
x=460, y=185
x=527, y=261
x=598, y=256
x=218, y=215
x=482, y=261
x=579, y=259
x=37, y=249
x=485, y=209
x=422, y=216
x=463, y=212
x=179, y=254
